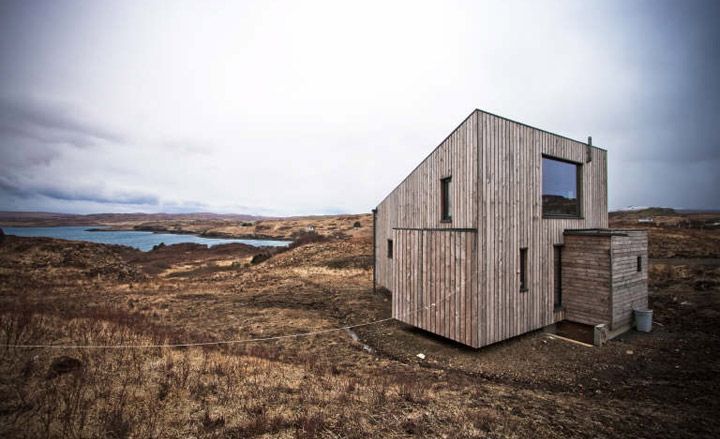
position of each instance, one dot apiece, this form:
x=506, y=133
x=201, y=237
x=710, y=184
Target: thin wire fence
x=225, y=342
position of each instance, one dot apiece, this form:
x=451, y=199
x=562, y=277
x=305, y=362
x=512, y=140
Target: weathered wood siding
x=629, y=286
x=434, y=285
x=586, y=279
x=496, y=169
x=415, y=203
x=600, y=277
x=510, y=215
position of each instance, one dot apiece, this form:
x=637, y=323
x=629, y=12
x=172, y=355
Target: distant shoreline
x=218, y=235
x=275, y=231
x=210, y=235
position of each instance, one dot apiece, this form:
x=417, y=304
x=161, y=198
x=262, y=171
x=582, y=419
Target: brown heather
x=327, y=385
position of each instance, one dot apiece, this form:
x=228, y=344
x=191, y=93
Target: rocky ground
x=336, y=384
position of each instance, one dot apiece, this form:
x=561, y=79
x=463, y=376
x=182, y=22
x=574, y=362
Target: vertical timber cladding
x=510, y=215
x=415, y=203
x=603, y=280
x=629, y=276
x=435, y=287
x=586, y=265
x=496, y=170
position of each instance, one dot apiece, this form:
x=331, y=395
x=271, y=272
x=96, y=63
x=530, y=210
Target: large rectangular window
x=561, y=188
x=445, y=200
x=523, y=269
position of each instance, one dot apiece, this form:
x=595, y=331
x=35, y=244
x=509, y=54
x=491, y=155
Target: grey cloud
x=50, y=123
x=116, y=198
x=9, y=188
x=76, y=194
x=301, y=133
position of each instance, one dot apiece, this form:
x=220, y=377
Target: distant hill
x=68, y=219
x=647, y=211
x=698, y=211
x=658, y=211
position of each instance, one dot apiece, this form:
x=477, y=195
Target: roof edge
x=428, y=156
x=477, y=110
x=539, y=129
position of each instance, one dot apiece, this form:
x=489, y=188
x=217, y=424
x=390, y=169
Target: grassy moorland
x=336, y=384
x=202, y=224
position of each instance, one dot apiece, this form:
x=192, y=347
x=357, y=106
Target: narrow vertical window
x=523, y=269
x=445, y=200
x=558, y=276
x=390, y=248
x=639, y=263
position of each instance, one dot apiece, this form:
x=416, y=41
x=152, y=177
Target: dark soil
x=62, y=365
x=661, y=384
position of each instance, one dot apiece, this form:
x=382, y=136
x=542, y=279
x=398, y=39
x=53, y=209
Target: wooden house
x=502, y=230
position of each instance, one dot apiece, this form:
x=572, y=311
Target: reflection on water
x=144, y=241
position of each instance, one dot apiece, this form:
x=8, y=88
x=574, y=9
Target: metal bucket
x=643, y=320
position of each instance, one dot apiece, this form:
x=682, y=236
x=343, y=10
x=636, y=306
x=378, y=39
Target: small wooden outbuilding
x=604, y=276
x=489, y=237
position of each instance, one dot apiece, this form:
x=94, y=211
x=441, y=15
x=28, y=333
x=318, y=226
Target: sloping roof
x=477, y=110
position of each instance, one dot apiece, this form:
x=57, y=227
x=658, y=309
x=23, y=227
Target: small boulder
x=260, y=257
x=63, y=365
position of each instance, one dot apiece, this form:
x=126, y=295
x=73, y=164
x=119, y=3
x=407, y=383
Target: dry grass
x=242, y=392
x=327, y=385
x=334, y=226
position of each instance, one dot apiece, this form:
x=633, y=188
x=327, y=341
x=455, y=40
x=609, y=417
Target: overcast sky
x=274, y=107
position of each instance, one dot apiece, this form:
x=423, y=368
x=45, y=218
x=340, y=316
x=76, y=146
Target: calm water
x=141, y=240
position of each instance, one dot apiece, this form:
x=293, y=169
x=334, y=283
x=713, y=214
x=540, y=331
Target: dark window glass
x=390, y=248
x=523, y=269
x=558, y=276
x=639, y=263
x=445, y=199
x=561, y=187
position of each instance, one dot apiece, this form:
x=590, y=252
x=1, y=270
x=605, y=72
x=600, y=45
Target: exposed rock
x=63, y=365
x=260, y=257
